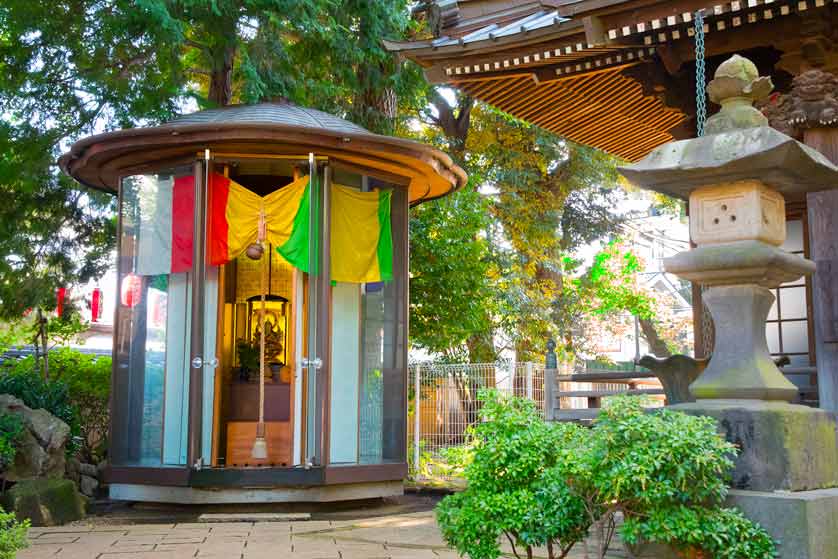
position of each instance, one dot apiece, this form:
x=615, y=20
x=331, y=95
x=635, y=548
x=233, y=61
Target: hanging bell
x=255, y=251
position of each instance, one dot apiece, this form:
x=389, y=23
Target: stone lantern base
x=782, y=446
x=786, y=475
x=805, y=523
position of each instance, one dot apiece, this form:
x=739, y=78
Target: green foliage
x=648, y=460
x=11, y=430
x=248, y=353
x=507, y=494
x=12, y=535
x=552, y=196
x=720, y=533
x=450, y=298
x=543, y=484
x=88, y=381
x=78, y=393
x=22, y=379
x=12, y=333
x=610, y=284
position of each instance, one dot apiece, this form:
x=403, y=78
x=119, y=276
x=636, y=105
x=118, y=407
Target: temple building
x=260, y=337
x=621, y=75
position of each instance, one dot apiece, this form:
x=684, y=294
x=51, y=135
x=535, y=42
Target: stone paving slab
x=403, y=536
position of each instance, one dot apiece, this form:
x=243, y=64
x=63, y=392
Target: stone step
x=255, y=517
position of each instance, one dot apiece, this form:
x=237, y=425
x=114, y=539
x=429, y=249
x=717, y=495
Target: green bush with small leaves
x=12, y=535
x=11, y=431
x=77, y=393
x=88, y=380
x=22, y=379
x=551, y=485
x=506, y=496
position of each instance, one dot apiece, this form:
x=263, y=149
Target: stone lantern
x=737, y=178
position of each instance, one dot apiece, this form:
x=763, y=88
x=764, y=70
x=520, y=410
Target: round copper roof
x=262, y=129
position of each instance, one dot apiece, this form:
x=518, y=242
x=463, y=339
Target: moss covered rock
x=46, y=502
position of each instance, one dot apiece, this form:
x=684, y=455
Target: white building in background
x=652, y=236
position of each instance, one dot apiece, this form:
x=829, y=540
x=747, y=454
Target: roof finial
x=736, y=86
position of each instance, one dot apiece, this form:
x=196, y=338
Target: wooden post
x=823, y=237
x=550, y=365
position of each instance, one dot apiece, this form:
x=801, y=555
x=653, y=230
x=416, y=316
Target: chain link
x=700, y=79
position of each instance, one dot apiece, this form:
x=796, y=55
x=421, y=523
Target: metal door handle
x=315, y=363
x=199, y=362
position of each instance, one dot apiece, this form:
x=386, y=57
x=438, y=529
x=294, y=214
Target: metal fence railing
x=445, y=396
x=444, y=404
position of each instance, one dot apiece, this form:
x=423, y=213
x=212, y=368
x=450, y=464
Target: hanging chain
x=700, y=79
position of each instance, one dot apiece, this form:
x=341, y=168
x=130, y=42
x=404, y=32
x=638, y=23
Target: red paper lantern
x=132, y=290
x=96, y=305
x=60, y=296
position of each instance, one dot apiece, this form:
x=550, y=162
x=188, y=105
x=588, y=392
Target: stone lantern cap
x=739, y=145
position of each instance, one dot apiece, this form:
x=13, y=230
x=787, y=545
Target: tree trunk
x=657, y=345
x=221, y=78
x=453, y=121
x=41, y=337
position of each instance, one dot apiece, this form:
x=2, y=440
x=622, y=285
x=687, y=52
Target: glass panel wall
x=150, y=379
x=383, y=405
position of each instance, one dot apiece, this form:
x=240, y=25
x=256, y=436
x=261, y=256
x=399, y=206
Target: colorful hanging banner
x=165, y=231
x=234, y=217
x=362, y=238
x=361, y=231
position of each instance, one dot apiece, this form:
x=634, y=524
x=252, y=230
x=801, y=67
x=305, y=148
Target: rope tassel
x=260, y=445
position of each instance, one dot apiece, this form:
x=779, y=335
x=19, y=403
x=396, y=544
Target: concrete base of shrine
x=783, y=447
x=805, y=523
x=230, y=495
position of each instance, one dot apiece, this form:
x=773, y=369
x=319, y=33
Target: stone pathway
x=404, y=536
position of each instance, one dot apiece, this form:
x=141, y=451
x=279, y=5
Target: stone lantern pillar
x=737, y=178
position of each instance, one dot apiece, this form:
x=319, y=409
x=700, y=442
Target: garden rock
x=88, y=486
x=41, y=453
x=71, y=471
x=46, y=502
x=88, y=470
x=102, y=468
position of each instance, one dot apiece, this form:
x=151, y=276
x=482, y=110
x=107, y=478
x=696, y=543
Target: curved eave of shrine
x=604, y=109
x=99, y=161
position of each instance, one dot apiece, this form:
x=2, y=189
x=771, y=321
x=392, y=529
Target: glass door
x=152, y=346
x=314, y=363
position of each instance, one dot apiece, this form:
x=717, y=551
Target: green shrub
x=22, y=379
x=733, y=535
x=547, y=485
x=11, y=430
x=507, y=496
x=88, y=381
x=12, y=535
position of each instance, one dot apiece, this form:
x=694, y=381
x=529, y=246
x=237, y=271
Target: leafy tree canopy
x=70, y=68
x=486, y=263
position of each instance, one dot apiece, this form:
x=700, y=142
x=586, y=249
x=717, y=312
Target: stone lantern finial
x=736, y=86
